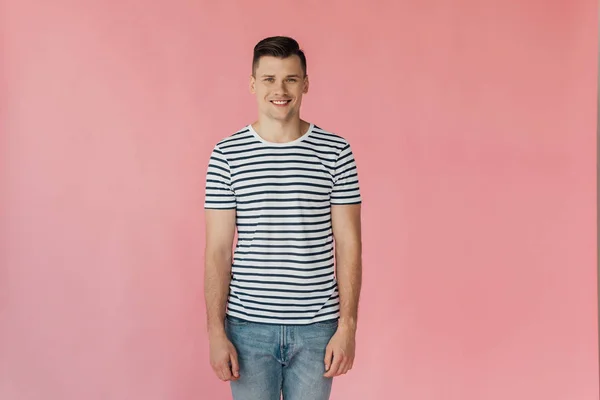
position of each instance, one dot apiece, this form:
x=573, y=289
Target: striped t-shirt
x=283, y=265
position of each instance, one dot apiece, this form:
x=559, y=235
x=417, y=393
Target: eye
x=269, y=79
x=292, y=80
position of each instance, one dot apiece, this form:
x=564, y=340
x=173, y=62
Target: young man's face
x=279, y=85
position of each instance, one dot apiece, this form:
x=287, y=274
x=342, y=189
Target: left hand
x=339, y=355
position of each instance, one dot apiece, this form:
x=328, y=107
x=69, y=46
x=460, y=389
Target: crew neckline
x=283, y=144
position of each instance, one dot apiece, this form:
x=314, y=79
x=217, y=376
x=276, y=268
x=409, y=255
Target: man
x=281, y=316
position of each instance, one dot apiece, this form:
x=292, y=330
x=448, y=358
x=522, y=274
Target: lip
x=287, y=101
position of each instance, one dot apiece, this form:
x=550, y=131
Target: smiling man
x=282, y=310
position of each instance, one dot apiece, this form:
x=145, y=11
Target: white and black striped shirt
x=283, y=264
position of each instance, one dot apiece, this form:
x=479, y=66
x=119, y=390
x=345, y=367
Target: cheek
x=260, y=93
x=264, y=92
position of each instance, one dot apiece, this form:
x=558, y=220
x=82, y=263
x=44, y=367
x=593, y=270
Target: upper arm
x=220, y=205
x=346, y=226
x=346, y=202
x=220, y=230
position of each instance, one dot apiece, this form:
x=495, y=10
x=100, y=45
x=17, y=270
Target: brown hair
x=278, y=46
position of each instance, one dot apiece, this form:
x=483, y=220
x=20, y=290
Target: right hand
x=224, y=359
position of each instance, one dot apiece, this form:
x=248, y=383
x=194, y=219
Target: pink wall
x=474, y=130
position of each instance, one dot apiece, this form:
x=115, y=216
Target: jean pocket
x=234, y=321
x=331, y=323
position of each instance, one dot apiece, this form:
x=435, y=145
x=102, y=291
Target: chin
x=281, y=118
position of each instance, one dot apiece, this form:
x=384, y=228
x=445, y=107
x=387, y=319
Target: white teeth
x=280, y=102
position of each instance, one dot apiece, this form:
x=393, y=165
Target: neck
x=280, y=131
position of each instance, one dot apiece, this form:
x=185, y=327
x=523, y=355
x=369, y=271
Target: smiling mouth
x=280, y=102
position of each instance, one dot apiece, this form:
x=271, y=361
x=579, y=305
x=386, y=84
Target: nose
x=279, y=88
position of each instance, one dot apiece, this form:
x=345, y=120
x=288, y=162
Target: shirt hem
x=333, y=317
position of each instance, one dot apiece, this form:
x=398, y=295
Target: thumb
x=235, y=366
x=328, y=357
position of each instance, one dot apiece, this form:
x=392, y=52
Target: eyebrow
x=273, y=76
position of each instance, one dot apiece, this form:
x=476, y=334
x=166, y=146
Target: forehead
x=273, y=65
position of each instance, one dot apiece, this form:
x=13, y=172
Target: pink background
x=474, y=127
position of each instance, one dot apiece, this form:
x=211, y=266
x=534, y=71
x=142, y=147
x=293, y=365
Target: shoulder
x=236, y=138
x=327, y=137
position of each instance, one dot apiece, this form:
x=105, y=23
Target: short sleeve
x=219, y=193
x=346, y=189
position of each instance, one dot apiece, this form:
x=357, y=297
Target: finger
x=235, y=366
x=335, y=367
x=219, y=374
x=349, y=363
x=328, y=356
x=347, y=367
x=333, y=371
x=343, y=368
x=217, y=371
x=226, y=371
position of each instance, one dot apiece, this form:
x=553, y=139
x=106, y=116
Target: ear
x=252, y=84
x=306, y=84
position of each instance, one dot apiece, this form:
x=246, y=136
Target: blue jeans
x=280, y=359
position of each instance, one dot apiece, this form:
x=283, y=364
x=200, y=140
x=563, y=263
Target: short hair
x=280, y=47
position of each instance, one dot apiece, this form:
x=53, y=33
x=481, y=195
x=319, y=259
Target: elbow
x=219, y=256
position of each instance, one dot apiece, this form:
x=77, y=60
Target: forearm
x=217, y=277
x=349, y=277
